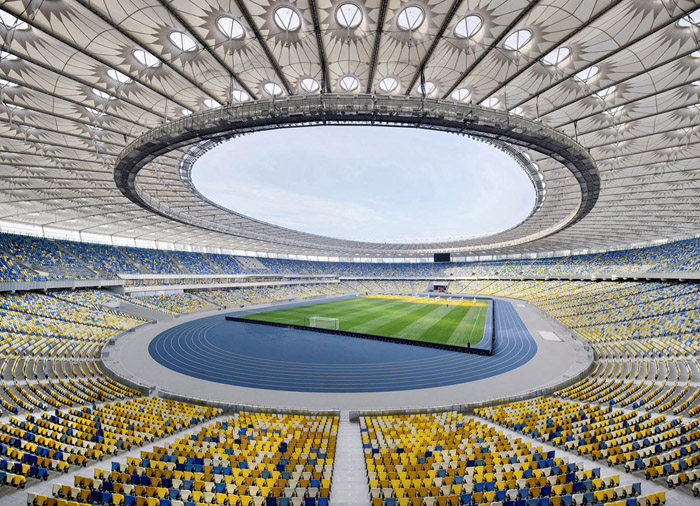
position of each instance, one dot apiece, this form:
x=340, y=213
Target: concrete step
x=350, y=486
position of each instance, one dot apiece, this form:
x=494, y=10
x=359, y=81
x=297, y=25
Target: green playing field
x=456, y=323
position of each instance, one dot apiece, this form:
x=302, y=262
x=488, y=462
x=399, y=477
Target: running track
x=257, y=356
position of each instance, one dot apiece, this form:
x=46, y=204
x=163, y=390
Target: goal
x=322, y=322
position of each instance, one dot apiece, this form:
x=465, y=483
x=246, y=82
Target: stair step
x=350, y=486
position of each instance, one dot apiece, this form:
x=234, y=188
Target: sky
x=379, y=184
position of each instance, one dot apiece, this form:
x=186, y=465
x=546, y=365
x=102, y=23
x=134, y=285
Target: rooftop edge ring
x=200, y=131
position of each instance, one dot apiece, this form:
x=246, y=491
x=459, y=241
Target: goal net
x=322, y=322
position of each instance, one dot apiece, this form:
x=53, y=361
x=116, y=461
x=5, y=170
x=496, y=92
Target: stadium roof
x=80, y=80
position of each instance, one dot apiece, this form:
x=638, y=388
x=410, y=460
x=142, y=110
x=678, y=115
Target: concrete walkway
x=349, y=485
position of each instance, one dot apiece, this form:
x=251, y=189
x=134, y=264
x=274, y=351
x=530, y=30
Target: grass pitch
x=422, y=319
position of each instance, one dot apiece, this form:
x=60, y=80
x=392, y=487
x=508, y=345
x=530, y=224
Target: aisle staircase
x=349, y=474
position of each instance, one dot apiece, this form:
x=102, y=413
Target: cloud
x=368, y=183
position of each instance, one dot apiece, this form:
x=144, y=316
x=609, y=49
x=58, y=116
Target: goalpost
x=323, y=322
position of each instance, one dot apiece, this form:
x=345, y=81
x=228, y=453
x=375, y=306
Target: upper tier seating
x=151, y=260
x=12, y=271
x=60, y=259
x=101, y=258
x=44, y=255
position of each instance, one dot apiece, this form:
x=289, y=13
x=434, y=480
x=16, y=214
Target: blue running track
x=258, y=356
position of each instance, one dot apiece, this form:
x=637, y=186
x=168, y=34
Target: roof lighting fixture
x=272, y=89
x=186, y=112
x=11, y=22
x=182, y=41
x=427, y=88
x=410, y=18
x=388, y=84
x=309, y=85
x=7, y=56
x=518, y=39
x=95, y=112
x=556, y=56
x=231, y=28
x=240, y=96
x=14, y=107
x=587, y=73
x=468, y=26
x=517, y=110
x=102, y=94
x=287, y=19
x=692, y=19
x=460, y=94
x=348, y=15
x=211, y=103
x=349, y=83
x=7, y=84
x=490, y=102
x=145, y=58
x=605, y=92
x=117, y=76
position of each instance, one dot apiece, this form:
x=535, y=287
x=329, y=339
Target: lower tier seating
x=34, y=446
x=450, y=458
x=248, y=459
